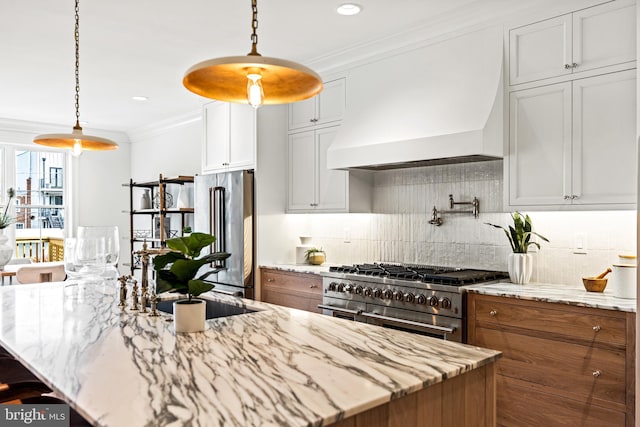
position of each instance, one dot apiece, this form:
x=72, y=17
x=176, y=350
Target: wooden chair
x=38, y=273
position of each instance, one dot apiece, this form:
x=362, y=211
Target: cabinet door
x=301, y=172
x=215, y=155
x=540, y=50
x=302, y=113
x=604, y=139
x=540, y=145
x=326, y=107
x=604, y=35
x=331, y=102
x=332, y=184
x=242, y=139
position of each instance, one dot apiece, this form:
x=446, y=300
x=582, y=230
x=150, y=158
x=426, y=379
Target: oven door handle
x=340, y=310
x=402, y=322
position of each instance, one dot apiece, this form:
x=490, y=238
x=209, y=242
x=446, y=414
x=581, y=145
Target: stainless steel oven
x=418, y=299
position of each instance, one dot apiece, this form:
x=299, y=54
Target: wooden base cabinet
x=290, y=289
x=561, y=365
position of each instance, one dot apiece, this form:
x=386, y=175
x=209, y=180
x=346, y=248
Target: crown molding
x=22, y=132
x=163, y=126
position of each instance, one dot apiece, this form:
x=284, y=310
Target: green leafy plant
x=311, y=251
x=177, y=270
x=6, y=220
x=520, y=233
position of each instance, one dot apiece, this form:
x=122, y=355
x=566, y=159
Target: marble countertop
x=561, y=294
x=299, y=268
x=274, y=367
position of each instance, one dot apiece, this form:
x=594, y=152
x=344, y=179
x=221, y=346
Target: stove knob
x=398, y=296
x=409, y=297
x=332, y=286
x=433, y=301
x=421, y=299
x=377, y=293
x=445, y=303
x=348, y=288
x=358, y=290
x=367, y=292
x=341, y=287
x=388, y=294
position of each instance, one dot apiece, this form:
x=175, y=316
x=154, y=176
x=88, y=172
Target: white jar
x=623, y=280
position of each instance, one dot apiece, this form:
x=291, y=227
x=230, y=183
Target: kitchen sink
x=214, y=309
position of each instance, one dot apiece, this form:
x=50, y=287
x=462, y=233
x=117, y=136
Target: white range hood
x=442, y=103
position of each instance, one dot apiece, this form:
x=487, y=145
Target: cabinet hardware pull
x=597, y=328
x=313, y=286
x=493, y=313
x=270, y=280
x=567, y=66
x=596, y=373
x=567, y=197
x=573, y=197
x=574, y=65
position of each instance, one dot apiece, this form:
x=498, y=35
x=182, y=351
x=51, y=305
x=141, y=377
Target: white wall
x=172, y=148
x=399, y=231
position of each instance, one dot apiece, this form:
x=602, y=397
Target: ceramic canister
x=623, y=279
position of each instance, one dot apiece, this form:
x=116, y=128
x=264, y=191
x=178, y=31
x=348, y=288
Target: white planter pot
x=189, y=316
x=6, y=250
x=520, y=267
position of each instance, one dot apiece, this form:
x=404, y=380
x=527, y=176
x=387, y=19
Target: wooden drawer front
x=561, y=368
x=294, y=301
x=539, y=317
x=519, y=405
x=296, y=283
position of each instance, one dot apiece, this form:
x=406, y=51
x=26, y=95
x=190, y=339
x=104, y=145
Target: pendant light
x=252, y=79
x=76, y=140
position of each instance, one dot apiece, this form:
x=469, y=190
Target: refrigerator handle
x=217, y=221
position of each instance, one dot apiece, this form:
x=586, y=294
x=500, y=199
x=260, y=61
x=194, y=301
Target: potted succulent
x=176, y=271
x=519, y=264
x=315, y=256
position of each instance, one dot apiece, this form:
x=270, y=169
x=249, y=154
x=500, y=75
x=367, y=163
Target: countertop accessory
x=595, y=284
x=623, y=280
x=134, y=295
x=520, y=263
x=123, y=291
x=76, y=141
x=315, y=256
x=252, y=79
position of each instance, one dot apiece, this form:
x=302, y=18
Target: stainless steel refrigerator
x=224, y=207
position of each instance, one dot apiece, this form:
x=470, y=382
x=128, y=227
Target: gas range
x=418, y=298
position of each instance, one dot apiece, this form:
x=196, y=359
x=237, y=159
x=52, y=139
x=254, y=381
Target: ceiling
x=143, y=47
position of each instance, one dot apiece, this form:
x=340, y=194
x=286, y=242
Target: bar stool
x=17, y=382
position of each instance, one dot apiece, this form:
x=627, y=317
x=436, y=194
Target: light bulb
x=255, y=94
x=77, y=148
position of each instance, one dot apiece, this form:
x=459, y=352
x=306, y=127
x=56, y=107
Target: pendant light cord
x=254, y=28
x=77, y=64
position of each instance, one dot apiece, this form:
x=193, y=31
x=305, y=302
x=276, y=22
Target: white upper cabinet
x=229, y=137
x=589, y=39
x=326, y=107
x=574, y=143
x=313, y=187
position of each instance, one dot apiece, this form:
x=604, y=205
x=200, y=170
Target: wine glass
x=111, y=238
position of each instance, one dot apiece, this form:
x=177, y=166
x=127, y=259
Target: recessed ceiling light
x=139, y=98
x=349, y=9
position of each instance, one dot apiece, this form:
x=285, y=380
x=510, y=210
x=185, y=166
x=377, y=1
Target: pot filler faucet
x=436, y=218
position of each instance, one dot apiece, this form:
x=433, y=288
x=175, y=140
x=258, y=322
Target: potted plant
x=519, y=263
x=6, y=251
x=315, y=256
x=176, y=271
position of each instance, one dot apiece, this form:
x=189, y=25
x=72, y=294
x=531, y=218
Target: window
x=55, y=178
x=40, y=202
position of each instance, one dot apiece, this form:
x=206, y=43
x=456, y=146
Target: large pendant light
x=252, y=79
x=76, y=140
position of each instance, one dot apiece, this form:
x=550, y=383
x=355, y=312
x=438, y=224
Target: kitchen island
x=273, y=367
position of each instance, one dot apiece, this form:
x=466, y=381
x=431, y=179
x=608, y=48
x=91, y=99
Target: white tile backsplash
x=399, y=230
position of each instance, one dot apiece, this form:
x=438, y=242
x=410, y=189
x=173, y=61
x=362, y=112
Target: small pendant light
x=76, y=141
x=252, y=79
